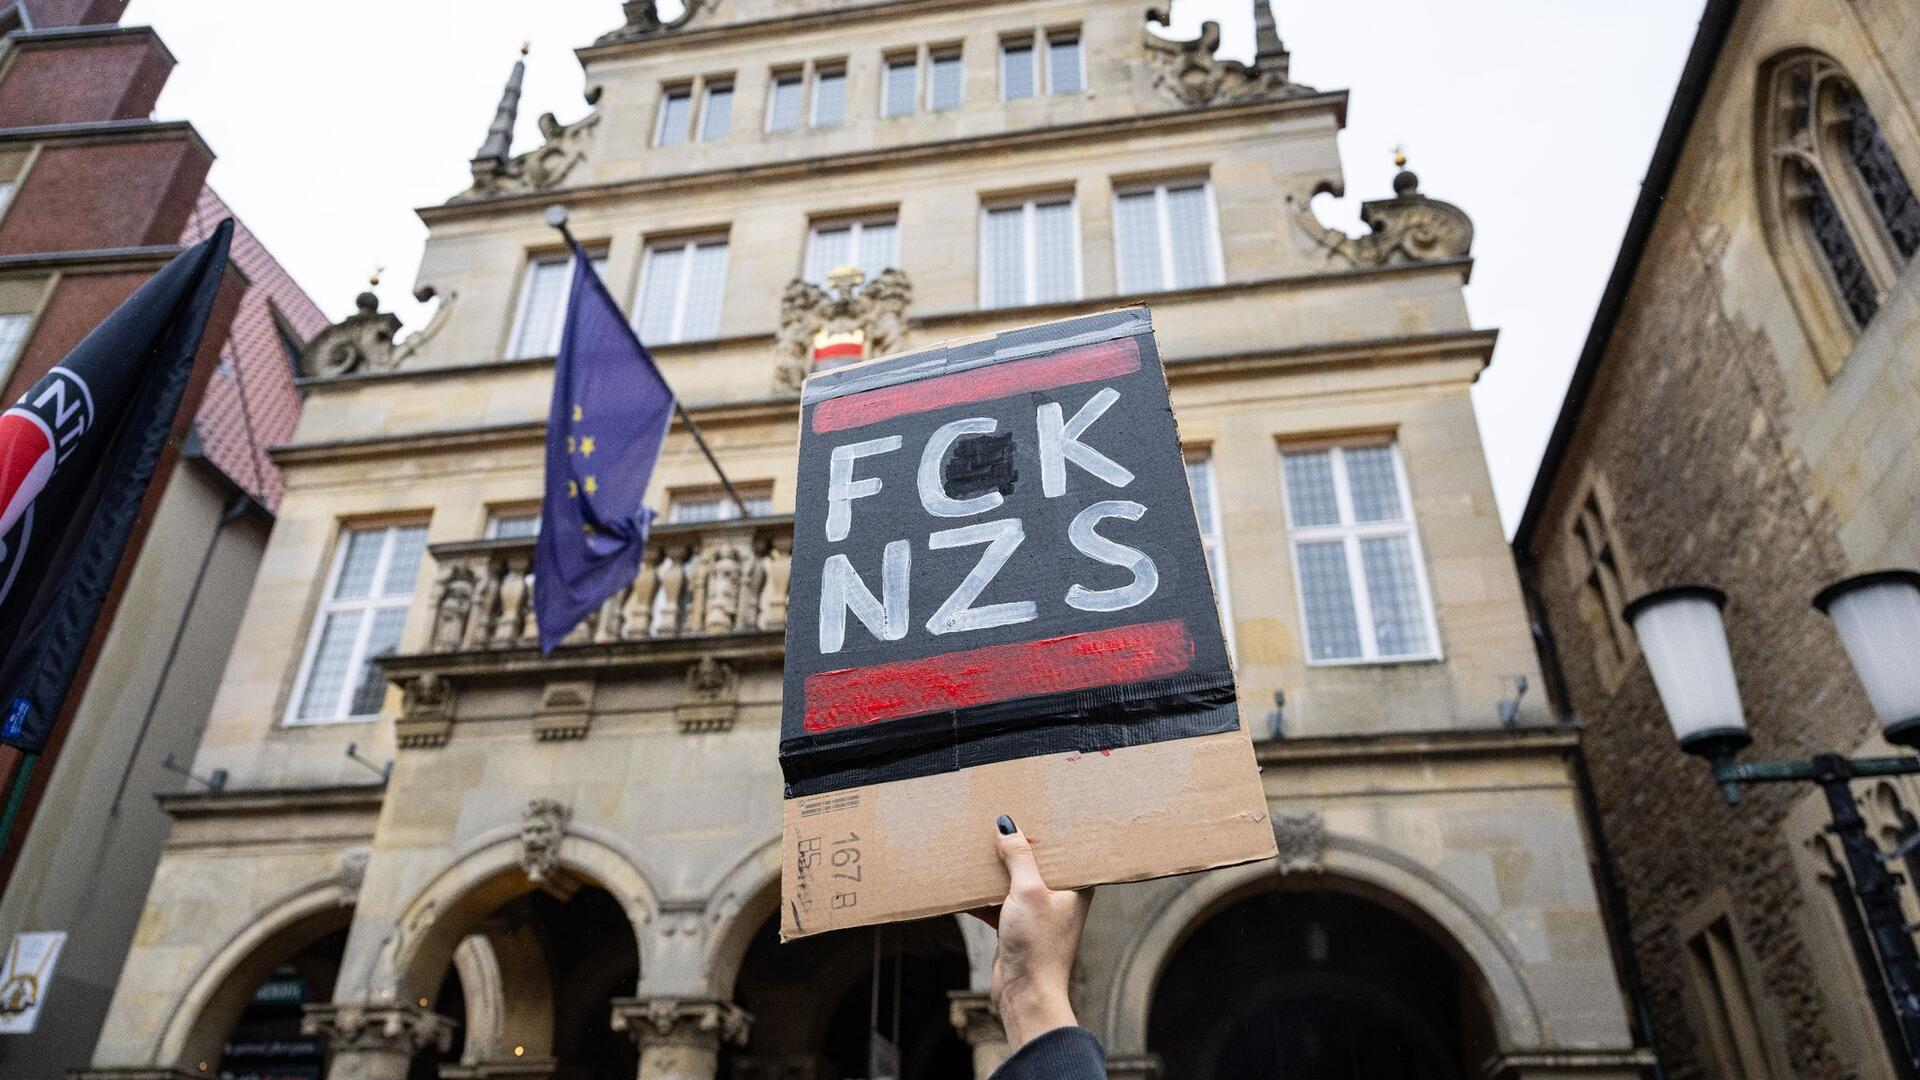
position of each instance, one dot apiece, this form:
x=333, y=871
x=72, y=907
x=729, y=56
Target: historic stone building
x=1747, y=415
x=439, y=853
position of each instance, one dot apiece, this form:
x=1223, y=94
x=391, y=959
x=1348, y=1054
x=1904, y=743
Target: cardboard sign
x=25, y=975
x=1000, y=604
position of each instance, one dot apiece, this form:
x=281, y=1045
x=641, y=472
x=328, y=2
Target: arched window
x=1842, y=216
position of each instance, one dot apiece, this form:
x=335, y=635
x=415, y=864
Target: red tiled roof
x=251, y=403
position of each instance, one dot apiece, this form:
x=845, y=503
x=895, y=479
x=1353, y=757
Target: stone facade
x=574, y=858
x=1717, y=440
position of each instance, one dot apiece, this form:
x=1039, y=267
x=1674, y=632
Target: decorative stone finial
x=1408, y=228
x=1190, y=73
x=499, y=142
x=1267, y=49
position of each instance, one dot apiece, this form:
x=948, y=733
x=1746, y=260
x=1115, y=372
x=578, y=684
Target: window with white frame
x=945, y=80
x=829, y=95
x=716, y=111
x=681, y=287
x=706, y=504
x=1165, y=237
x=786, y=101
x=900, y=91
x=1019, y=69
x=513, y=524
x=676, y=117
x=1206, y=509
x=1064, y=69
x=1356, y=554
x=369, y=589
x=14, y=328
x=1050, y=60
x=542, y=313
x=871, y=244
x=1030, y=253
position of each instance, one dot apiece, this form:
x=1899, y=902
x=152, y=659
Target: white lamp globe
x=1685, y=642
x=1877, y=616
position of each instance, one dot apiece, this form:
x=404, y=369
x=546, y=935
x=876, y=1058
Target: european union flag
x=611, y=408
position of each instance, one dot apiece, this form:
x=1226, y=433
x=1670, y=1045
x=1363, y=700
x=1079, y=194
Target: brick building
x=94, y=197
x=1746, y=415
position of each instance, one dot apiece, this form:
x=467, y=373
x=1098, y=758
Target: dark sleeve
x=1068, y=1053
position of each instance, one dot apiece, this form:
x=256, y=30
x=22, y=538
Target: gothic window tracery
x=1842, y=215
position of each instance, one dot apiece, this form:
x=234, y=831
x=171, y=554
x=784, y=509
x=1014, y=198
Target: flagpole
x=557, y=217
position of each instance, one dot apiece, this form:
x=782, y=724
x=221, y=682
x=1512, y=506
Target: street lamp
x=1684, y=638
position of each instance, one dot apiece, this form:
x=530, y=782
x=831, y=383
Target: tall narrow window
x=368, y=593
x=1064, y=75
x=1206, y=508
x=944, y=82
x=1166, y=238
x=676, y=117
x=1019, y=69
x=1880, y=175
x=716, y=112
x=872, y=245
x=1030, y=253
x=900, y=93
x=829, y=96
x=1603, y=594
x=13, y=339
x=786, y=102
x=681, y=288
x=1363, y=591
x=542, y=313
x=1733, y=1028
x=1840, y=213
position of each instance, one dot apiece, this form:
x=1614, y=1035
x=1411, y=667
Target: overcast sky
x=333, y=121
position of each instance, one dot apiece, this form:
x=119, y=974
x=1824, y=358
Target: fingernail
x=1006, y=825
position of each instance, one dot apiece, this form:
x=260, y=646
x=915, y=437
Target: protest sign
x=1000, y=604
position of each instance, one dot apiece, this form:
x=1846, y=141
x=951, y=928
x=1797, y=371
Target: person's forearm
x=1028, y=1012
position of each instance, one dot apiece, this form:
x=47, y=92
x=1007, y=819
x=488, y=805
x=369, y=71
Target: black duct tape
x=1087, y=721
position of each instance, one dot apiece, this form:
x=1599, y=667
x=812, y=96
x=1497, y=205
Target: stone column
x=375, y=1042
x=680, y=1038
x=978, y=1022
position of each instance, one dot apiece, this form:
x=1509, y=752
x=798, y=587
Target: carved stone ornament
x=676, y=1021
x=363, y=343
x=876, y=311
x=643, y=19
x=402, y=1030
x=542, y=826
x=350, y=873
x=1408, y=228
x=426, y=712
x=712, y=698
x=1189, y=73
x=1302, y=840
x=563, y=148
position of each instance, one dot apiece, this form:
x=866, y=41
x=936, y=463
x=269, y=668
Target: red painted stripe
x=853, y=697
x=840, y=352
x=1106, y=360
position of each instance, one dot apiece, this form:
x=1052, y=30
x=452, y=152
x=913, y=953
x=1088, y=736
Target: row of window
x=1356, y=556
x=1166, y=236
x=930, y=78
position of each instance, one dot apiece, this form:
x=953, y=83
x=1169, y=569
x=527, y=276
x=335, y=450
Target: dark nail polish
x=1006, y=825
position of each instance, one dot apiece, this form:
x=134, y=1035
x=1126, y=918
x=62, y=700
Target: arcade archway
x=819, y=1003
x=1316, y=985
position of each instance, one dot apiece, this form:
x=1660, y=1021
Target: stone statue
x=752, y=580
x=773, y=595
x=666, y=606
x=480, y=622
x=452, y=606
x=643, y=19
x=513, y=596
x=636, y=618
x=542, y=827
x=723, y=590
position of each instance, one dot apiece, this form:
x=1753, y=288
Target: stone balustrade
x=696, y=580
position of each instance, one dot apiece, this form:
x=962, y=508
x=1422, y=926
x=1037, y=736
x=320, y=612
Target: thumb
x=1017, y=854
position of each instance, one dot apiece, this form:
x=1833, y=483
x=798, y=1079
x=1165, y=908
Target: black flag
x=76, y=453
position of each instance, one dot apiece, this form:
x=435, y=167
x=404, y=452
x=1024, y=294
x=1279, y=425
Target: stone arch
x=418, y=951
x=1393, y=880
x=741, y=903
x=220, y=990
